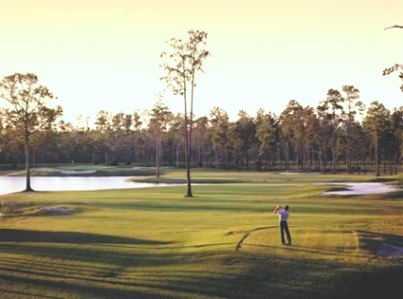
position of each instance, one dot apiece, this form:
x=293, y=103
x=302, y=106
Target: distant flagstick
x=394, y=26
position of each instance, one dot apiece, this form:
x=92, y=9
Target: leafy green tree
x=334, y=103
x=354, y=106
x=361, y=145
x=175, y=139
x=310, y=135
x=182, y=64
x=103, y=121
x=158, y=125
x=292, y=129
x=267, y=135
x=220, y=135
x=324, y=134
x=396, y=138
x=335, y=100
x=376, y=122
x=245, y=135
x=27, y=110
x=201, y=136
x=139, y=139
x=104, y=135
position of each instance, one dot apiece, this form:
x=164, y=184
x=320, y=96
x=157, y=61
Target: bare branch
x=394, y=26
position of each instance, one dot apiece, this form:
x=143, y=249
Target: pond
x=10, y=184
x=361, y=188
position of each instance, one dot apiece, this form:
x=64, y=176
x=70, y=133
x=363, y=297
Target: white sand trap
x=361, y=188
x=56, y=210
x=299, y=173
x=388, y=250
x=78, y=171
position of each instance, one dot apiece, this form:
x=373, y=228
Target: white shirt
x=282, y=215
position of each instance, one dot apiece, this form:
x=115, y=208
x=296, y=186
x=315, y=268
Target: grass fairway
x=224, y=242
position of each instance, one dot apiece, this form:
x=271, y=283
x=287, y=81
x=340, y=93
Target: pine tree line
x=340, y=134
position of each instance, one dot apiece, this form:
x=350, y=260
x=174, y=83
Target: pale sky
x=105, y=54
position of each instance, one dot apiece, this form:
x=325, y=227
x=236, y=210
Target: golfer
x=283, y=217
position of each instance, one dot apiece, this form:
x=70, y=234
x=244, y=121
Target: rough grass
x=223, y=243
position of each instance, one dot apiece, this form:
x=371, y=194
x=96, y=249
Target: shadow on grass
x=71, y=287
x=376, y=283
x=391, y=195
x=381, y=244
x=121, y=275
x=75, y=266
x=17, y=235
x=167, y=282
x=108, y=274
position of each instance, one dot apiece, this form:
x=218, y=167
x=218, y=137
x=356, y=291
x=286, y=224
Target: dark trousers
x=284, y=228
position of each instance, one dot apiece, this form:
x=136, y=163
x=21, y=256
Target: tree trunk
x=187, y=149
x=376, y=155
x=33, y=158
x=334, y=158
x=287, y=156
x=349, y=170
x=320, y=161
x=395, y=163
x=157, y=156
x=27, y=168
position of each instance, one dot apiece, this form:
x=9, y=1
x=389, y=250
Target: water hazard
x=16, y=184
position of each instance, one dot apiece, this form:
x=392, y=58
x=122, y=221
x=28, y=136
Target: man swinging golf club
x=283, y=217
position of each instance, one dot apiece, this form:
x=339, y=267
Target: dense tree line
x=340, y=134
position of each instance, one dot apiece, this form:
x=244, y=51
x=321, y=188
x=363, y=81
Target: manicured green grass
x=223, y=242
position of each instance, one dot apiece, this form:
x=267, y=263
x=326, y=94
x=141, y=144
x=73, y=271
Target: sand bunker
x=388, y=250
x=298, y=173
x=361, y=188
x=78, y=171
x=56, y=210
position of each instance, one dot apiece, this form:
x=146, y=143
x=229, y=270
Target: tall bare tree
x=354, y=106
x=26, y=100
x=182, y=64
x=334, y=102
